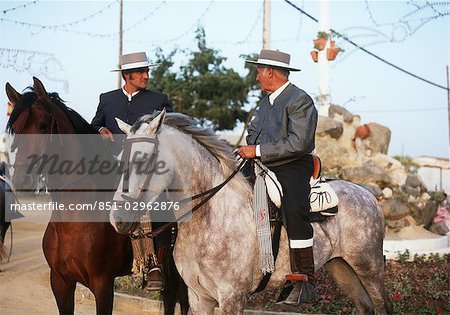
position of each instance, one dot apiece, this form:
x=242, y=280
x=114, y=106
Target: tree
x=203, y=87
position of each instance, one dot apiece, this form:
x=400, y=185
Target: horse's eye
x=43, y=127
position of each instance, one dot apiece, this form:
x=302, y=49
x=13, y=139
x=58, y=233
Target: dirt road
x=24, y=281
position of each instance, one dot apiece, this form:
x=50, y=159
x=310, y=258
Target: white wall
x=435, y=178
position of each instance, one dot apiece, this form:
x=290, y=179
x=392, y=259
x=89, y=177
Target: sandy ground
x=24, y=280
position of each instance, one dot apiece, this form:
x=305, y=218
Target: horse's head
x=146, y=171
x=34, y=119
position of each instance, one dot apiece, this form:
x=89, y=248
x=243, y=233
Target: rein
x=207, y=194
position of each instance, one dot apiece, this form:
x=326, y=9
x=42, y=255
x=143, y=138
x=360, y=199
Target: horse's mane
x=80, y=125
x=205, y=137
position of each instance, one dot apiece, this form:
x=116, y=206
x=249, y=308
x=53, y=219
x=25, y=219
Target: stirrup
x=154, y=284
x=303, y=292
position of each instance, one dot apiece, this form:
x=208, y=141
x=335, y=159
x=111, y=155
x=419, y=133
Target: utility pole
x=266, y=25
x=324, y=67
x=448, y=112
x=120, y=43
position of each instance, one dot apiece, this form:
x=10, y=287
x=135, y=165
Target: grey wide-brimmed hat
x=274, y=58
x=134, y=61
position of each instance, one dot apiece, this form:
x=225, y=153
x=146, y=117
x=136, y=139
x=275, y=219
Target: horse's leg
x=64, y=292
x=182, y=296
x=373, y=282
x=350, y=284
x=232, y=303
x=200, y=305
x=103, y=290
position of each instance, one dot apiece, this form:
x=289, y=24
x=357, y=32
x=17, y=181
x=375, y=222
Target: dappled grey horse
x=216, y=251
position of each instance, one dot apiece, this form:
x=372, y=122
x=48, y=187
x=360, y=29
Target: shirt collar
x=128, y=94
x=275, y=94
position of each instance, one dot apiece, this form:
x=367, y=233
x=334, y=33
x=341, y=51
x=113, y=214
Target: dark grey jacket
x=285, y=130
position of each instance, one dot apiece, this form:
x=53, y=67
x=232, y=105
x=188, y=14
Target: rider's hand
x=106, y=134
x=247, y=151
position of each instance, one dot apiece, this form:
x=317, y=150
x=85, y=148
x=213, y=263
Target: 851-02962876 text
x=98, y=205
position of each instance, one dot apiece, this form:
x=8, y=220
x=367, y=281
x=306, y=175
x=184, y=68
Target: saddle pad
x=322, y=196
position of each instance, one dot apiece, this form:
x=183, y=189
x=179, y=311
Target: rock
x=336, y=111
x=425, y=196
x=415, y=181
x=368, y=173
x=394, y=209
x=333, y=155
x=439, y=228
x=397, y=225
x=378, y=140
x=375, y=190
x=329, y=126
x=414, y=191
x=429, y=212
x=393, y=168
x=387, y=193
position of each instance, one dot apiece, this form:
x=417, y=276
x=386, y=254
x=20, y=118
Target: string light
x=20, y=6
x=410, y=23
x=61, y=26
x=35, y=63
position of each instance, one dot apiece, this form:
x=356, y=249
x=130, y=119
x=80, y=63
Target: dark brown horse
x=76, y=247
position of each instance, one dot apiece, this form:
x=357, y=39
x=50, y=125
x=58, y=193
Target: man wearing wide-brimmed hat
x=131, y=101
x=282, y=136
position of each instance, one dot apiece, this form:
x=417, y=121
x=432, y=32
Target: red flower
x=439, y=310
x=396, y=296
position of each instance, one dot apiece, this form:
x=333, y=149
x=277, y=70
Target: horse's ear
x=123, y=126
x=39, y=89
x=12, y=94
x=156, y=123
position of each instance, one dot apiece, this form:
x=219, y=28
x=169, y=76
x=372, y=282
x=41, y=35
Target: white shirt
x=272, y=98
x=128, y=94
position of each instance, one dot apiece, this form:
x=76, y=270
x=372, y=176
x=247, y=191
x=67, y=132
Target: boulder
x=394, y=209
x=378, y=139
x=329, y=126
x=340, y=113
x=368, y=173
x=413, y=180
x=333, y=155
x=393, y=168
x=375, y=190
x=439, y=228
x=397, y=225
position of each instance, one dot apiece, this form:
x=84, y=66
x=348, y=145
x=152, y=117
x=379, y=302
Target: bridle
x=206, y=194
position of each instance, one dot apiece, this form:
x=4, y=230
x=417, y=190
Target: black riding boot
x=302, y=264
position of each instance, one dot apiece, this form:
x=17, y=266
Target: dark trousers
x=294, y=178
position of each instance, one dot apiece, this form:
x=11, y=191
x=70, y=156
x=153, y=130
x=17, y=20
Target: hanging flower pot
x=332, y=53
x=319, y=43
x=362, y=132
x=315, y=55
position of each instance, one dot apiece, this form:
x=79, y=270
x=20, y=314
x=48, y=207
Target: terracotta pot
x=332, y=53
x=315, y=55
x=319, y=43
x=362, y=132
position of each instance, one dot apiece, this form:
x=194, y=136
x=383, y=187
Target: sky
x=72, y=46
